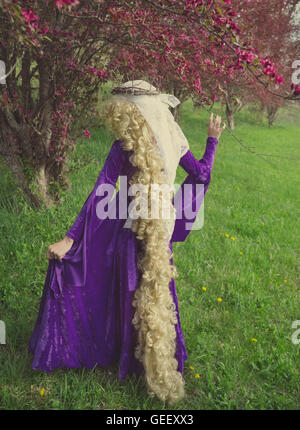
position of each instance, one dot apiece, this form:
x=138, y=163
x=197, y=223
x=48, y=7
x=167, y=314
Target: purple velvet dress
x=86, y=308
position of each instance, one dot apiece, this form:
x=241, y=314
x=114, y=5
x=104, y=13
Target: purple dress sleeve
x=108, y=175
x=71, y=270
x=199, y=172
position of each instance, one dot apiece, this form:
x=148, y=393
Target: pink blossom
x=29, y=15
x=87, y=133
x=102, y=73
x=296, y=89
x=71, y=64
x=92, y=70
x=45, y=29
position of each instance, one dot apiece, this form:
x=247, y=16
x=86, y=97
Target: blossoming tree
x=58, y=53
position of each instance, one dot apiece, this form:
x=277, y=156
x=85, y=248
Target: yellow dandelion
x=197, y=376
x=232, y=238
x=258, y=240
x=262, y=223
x=226, y=234
x=220, y=299
x=204, y=288
x=251, y=293
x=238, y=271
x=42, y=392
x=241, y=252
x=192, y=368
x=254, y=340
x=285, y=281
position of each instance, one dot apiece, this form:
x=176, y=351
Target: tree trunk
x=271, y=112
x=15, y=167
x=230, y=117
x=42, y=181
x=25, y=146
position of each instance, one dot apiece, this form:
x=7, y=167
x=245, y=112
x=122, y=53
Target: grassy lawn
x=246, y=255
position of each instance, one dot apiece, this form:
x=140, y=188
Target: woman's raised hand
x=59, y=249
x=214, y=129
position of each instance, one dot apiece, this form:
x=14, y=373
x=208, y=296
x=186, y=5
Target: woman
x=110, y=293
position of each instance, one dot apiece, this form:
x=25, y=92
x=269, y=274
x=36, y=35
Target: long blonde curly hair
x=155, y=312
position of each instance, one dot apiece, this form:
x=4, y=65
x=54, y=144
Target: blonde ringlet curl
x=155, y=312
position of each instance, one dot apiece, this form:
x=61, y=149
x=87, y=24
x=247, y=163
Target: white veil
x=168, y=134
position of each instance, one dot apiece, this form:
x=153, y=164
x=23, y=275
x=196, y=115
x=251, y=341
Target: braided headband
x=134, y=91
x=169, y=99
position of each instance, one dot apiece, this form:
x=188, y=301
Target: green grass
x=235, y=371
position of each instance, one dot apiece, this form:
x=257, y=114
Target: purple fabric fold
x=199, y=172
